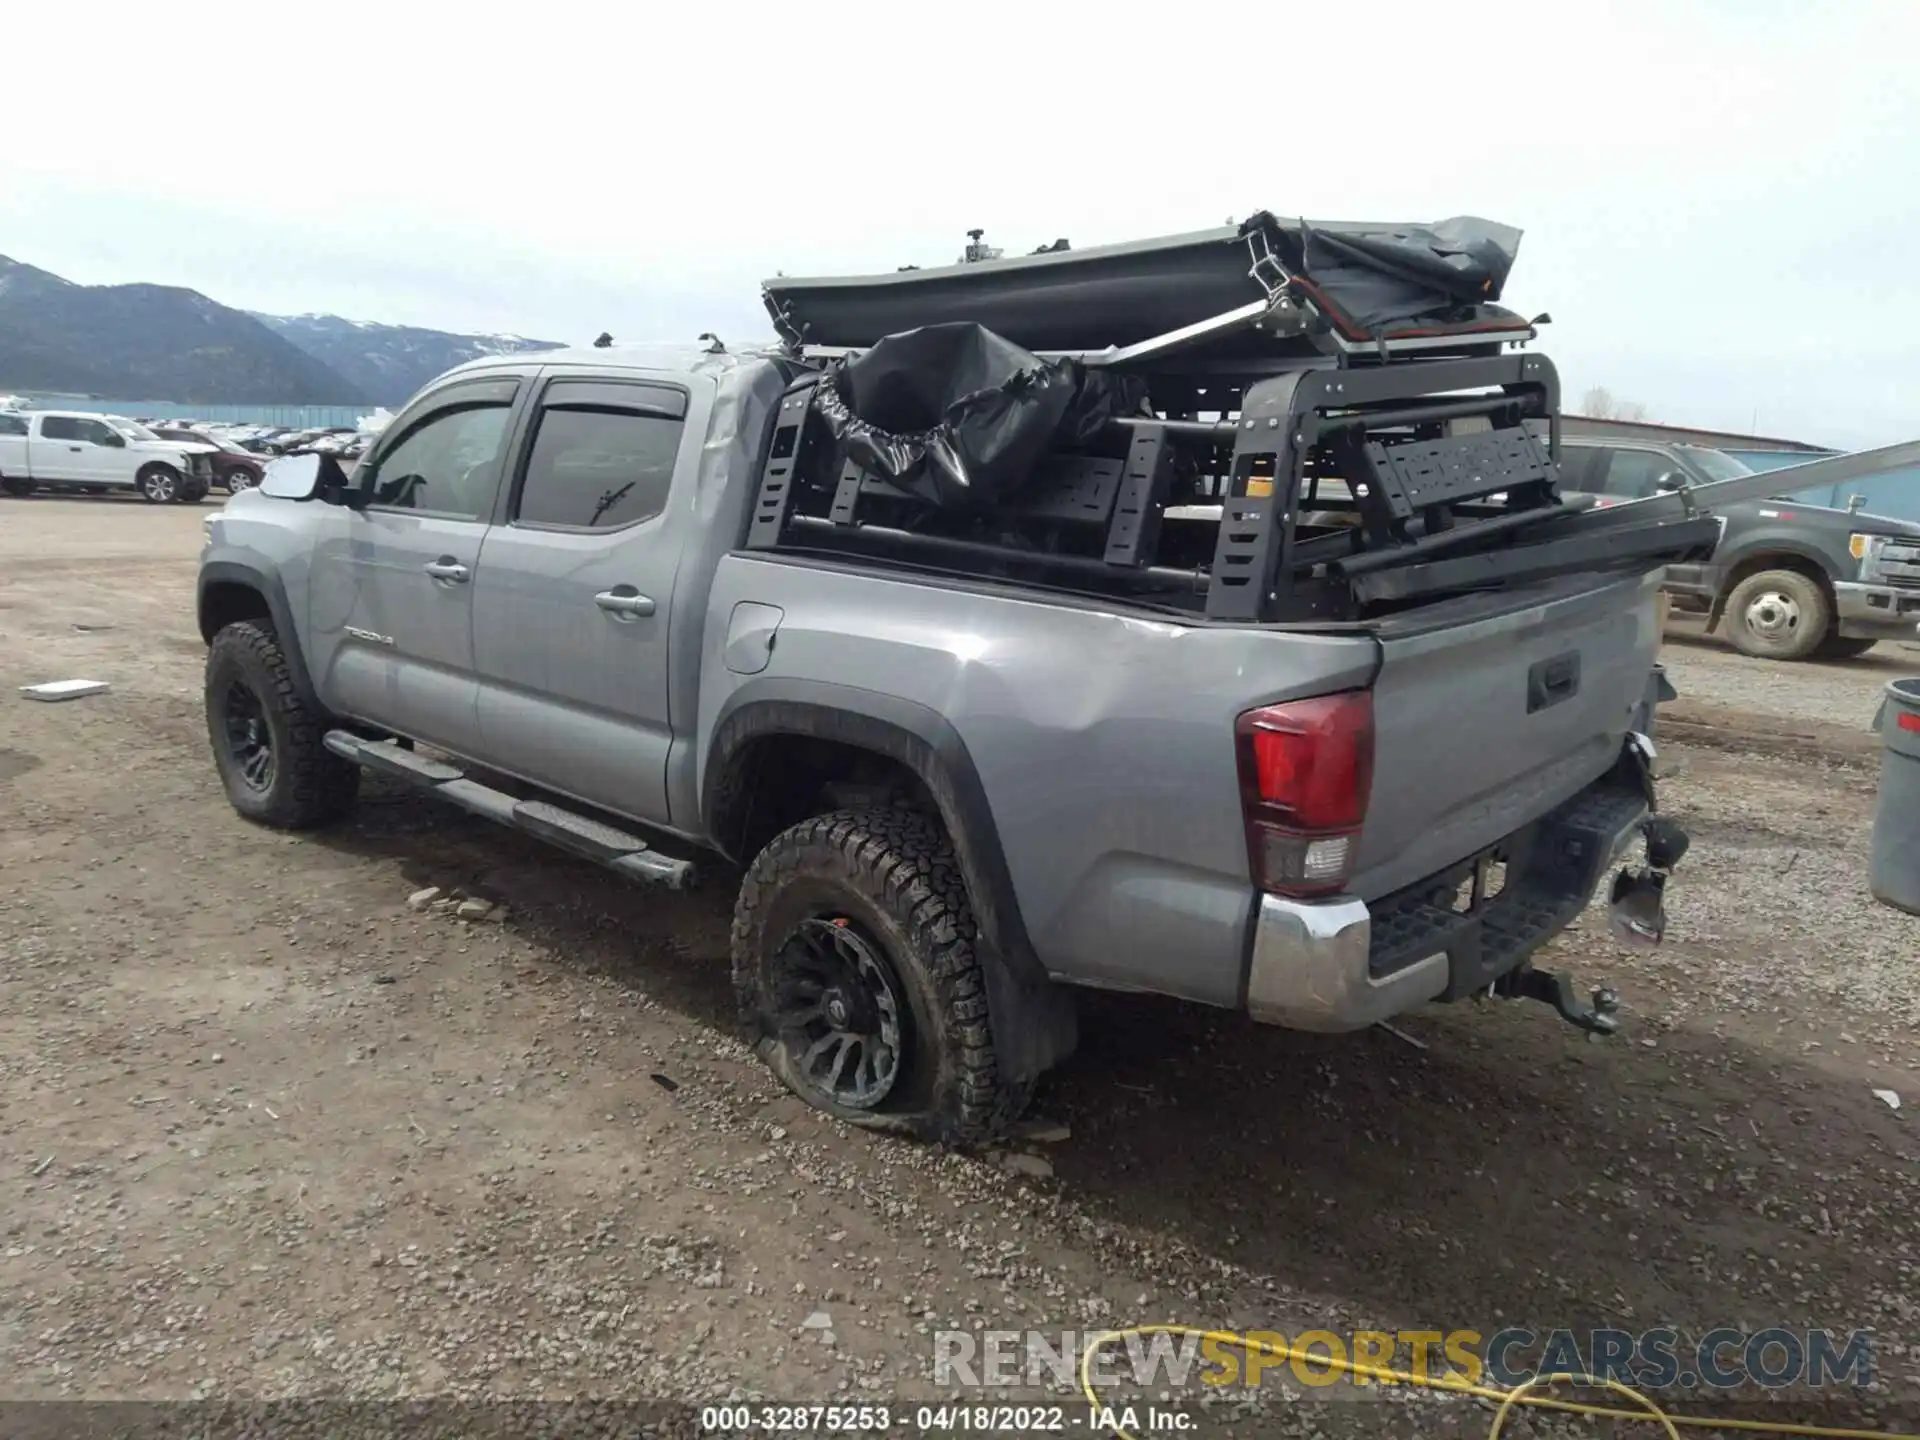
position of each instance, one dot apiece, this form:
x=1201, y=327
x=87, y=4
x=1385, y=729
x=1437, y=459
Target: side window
x=1631, y=473
x=598, y=467
x=1578, y=466
x=60, y=427
x=95, y=432
x=13, y=425
x=449, y=464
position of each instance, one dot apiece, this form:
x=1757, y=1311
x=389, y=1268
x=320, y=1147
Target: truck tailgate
x=1489, y=710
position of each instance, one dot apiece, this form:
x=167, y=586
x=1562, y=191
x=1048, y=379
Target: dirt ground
x=268, y=1131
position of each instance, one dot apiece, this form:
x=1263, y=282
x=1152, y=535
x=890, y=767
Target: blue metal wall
x=1896, y=494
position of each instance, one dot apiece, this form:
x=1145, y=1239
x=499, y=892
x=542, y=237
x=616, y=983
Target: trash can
x=1895, y=874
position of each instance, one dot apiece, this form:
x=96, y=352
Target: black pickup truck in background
x=1790, y=581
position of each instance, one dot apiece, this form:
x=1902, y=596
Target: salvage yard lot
x=265, y=1129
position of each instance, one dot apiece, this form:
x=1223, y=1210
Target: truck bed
x=1103, y=735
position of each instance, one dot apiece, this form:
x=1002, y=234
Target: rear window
x=13, y=425
x=1714, y=464
x=599, y=469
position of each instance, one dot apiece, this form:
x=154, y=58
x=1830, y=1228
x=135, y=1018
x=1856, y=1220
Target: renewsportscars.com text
x=1658, y=1358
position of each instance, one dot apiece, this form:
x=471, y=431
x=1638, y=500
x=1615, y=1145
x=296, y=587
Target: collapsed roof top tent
x=1268, y=287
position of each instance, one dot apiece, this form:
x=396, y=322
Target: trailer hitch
x=1599, y=1019
x=1637, y=916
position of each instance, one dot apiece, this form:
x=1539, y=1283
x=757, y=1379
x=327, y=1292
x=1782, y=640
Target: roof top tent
x=1275, y=421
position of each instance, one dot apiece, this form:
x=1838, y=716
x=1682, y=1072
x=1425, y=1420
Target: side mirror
x=1856, y=503
x=303, y=477
x=114, y=440
x=1668, y=483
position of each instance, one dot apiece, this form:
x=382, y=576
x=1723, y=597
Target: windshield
x=131, y=429
x=1714, y=464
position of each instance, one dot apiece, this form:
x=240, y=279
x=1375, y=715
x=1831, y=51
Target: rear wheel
x=1778, y=615
x=268, y=743
x=857, y=978
x=159, y=484
x=17, y=486
x=238, y=480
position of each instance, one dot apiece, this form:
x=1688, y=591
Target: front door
x=572, y=605
x=390, y=603
x=74, y=448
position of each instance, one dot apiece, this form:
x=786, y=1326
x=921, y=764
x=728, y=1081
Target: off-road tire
x=158, y=484
x=310, y=785
x=1839, y=647
x=1797, y=641
x=892, y=872
x=17, y=486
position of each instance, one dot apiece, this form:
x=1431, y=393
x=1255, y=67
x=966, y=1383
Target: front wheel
x=159, y=484
x=1778, y=615
x=192, y=492
x=855, y=970
x=268, y=743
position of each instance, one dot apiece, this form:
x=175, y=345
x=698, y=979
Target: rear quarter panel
x=1103, y=742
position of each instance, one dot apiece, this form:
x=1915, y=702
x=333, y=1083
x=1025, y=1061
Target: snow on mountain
x=390, y=362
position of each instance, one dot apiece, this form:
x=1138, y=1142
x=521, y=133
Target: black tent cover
x=1369, y=282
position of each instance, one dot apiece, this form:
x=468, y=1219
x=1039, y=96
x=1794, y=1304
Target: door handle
x=448, y=569
x=625, y=602
x=75, y=448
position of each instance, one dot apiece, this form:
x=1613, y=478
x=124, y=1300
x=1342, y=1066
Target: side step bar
x=590, y=839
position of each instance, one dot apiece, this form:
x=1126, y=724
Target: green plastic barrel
x=1895, y=873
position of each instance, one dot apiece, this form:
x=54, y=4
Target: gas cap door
x=750, y=633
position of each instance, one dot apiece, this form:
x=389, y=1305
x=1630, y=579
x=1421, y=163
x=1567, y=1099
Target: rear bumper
x=1342, y=964
x=1878, y=612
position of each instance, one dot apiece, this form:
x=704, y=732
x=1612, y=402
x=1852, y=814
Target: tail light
x=1306, y=774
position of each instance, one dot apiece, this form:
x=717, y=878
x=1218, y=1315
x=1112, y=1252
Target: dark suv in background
x=1790, y=581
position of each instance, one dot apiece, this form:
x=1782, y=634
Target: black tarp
x=1383, y=279
x=958, y=416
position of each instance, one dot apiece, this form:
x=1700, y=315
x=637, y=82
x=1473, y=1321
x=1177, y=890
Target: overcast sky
x=1721, y=201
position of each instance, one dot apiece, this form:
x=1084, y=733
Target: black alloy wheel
x=249, y=739
x=838, y=1007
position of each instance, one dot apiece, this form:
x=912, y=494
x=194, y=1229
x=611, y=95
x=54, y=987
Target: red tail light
x=1306, y=774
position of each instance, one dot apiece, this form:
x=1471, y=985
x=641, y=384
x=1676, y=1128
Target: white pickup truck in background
x=69, y=450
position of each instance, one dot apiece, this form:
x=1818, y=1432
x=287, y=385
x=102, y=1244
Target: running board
x=589, y=839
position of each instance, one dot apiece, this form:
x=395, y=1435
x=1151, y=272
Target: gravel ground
x=273, y=1131
x=1843, y=693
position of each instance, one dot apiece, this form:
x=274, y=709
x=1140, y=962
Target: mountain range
x=162, y=342
x=387, y=363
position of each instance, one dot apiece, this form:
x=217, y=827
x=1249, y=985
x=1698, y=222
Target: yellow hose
x=1651, y=1414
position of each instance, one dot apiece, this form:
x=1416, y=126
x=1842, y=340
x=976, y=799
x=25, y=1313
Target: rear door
x=574, y=600
x=391, y=591
x=1491, y=709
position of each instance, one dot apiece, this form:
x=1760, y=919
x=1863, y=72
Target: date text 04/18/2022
x=948, y=1419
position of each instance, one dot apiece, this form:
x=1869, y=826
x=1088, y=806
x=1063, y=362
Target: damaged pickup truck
x=1199, y=616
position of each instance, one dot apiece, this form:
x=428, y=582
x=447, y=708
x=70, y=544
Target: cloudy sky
x=1721, y=201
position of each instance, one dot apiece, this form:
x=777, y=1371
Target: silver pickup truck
x=625, y=600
